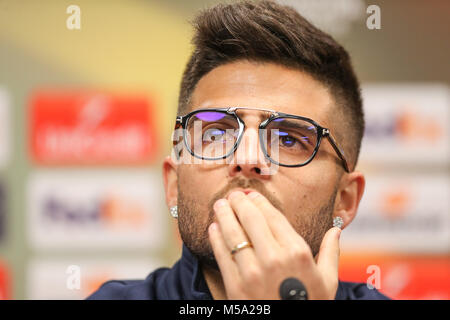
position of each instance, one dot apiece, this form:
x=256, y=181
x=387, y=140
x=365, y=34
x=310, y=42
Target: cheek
x=198, y=185
x=189, y=181
x=303, y=193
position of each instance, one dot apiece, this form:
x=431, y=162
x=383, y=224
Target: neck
x=214, y=281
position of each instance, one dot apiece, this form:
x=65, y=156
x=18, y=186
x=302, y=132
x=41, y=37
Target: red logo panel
x=84, y=127
x=4, y=282
x=400, y=277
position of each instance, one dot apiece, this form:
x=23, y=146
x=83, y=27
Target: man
x=262, y=175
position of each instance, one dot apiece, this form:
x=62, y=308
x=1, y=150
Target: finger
x=232, y=233
x=228, y=268
x=280, y=227
x=254, y=223
x=328, y=256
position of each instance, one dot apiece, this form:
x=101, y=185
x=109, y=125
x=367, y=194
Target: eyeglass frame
x=321, y=132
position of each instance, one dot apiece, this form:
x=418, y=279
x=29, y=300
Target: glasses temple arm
x=336, y=148
x=176, y=147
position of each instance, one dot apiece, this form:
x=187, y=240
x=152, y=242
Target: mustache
x=255, y=184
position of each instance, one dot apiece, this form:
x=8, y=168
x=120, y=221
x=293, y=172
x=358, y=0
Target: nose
x=248, y=158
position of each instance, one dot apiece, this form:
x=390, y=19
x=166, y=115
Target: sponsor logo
x=406, y=127
x=402, y=213
x=91, y=128
x=406, y=124
x=109, y=210
x=2, y=212
x=79, y=278
x=394, y=204
x=400, y=277
x=92, y=209
x=5, y=284
x=5, y=123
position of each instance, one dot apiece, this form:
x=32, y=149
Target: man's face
x=305, y=195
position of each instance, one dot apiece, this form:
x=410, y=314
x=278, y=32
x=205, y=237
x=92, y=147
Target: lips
x=245, y=191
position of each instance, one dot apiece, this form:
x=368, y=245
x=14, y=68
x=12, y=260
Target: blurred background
x=86, y=111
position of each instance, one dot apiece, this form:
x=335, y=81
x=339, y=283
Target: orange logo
x=119, y=213
x=395, y=203
x=412, y=126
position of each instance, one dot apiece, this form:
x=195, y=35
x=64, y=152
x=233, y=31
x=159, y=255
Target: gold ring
x=241, y=246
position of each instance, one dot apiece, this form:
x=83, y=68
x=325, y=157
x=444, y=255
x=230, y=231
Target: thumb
x=328, y=256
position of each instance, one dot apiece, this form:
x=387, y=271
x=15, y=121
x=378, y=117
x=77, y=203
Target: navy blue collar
x=197, y=286
x=185, y=281
x=187, y=276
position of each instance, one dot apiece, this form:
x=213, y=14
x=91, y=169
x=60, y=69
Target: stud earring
x=174, y=211
x=338, y=222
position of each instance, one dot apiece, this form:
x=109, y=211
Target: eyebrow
x=294, y=124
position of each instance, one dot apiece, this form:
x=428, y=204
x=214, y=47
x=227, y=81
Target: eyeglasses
x=285, y=139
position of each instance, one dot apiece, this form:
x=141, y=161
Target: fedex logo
x=112, y=211
x=406, y=124
x=407, y=127
x=95, y=209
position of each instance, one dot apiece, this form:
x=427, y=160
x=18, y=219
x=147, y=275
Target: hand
x=278, y=252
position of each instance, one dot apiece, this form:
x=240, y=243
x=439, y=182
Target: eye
x=213, y=134
x=288, y=141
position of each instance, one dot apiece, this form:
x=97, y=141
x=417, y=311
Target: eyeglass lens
x=287, y=141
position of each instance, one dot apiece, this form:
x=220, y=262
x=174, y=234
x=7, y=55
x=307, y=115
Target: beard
x=194, y=231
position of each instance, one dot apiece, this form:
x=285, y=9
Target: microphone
x=293, y=289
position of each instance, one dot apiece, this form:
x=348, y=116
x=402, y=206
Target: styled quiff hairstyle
x=265, y=31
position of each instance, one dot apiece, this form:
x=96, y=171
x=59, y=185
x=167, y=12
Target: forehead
x=263, y=85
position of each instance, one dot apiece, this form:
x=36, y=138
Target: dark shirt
x=185, y=281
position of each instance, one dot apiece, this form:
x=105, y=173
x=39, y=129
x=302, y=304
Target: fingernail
x=234, y=195
x=219, y=203
x=253, y=195
x=213, y=226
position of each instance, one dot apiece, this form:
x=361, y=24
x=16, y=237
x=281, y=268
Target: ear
x=170, y=181
x=351, y=189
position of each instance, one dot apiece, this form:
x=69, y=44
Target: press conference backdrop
x=86, y=112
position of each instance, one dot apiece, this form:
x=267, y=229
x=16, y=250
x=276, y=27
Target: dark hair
x=264, y=31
